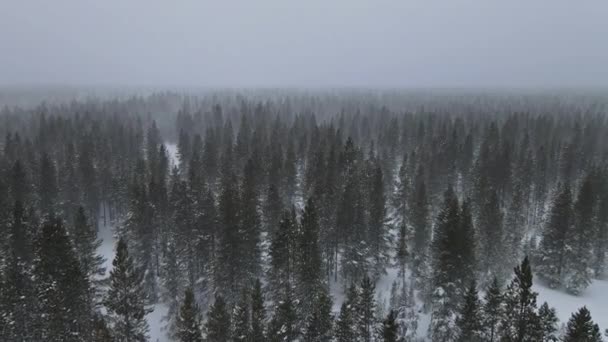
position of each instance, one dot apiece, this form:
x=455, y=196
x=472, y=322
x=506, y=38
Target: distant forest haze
x=277, y=215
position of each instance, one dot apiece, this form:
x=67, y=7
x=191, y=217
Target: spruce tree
x=188, y=322
x=390, y=328
x=492, y=311
x=126, y=298
x=469, y=322
x=86, y=245
x=552, y=259
x=217, y=327
x=319, y=322
x=548, y=323
x=309, y=270
x=283, y=326
x=366, y=309
x=520, y=320
x=241, y=330
x=582, y=328
x=258, y=314
x=344, y=325
x=579, y=240
x=62, y=287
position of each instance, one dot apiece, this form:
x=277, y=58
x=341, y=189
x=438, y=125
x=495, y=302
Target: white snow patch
x=155, y=321
x=594, y=298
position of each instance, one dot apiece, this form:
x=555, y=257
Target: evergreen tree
x=366, y=310
x=492, y=311
x=101, y=332
x=62, y=287
x=419, y=217
x=582, y=328
x=258, y=314
x=86, y=245
x=241, y=330
x=402, y=252
x=283, y=326
x=282, y=254
x=377, y=233
x=188, y=320
x=47, y=186
x=319, y=323
x=309, y=270
x=520, y=320
x=344, y=325
x=217, y=327
x=553, y=244
x=389, y=328
x=579, y=239
x=469, y=323
x=548, y=323
x=125, y=300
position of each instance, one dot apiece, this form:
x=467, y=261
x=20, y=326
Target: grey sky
x=306, y=43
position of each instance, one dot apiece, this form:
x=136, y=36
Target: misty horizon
x=273, y=44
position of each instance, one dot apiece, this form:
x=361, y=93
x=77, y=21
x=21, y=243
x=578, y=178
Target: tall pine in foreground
x=188, y=321
x=258, y=314
x=62, y=287
x=580, y=238
x=520, y=321
x=552, y=259
x=469, y=321
x=126, y=298
x=581, y=328
x=217, y=327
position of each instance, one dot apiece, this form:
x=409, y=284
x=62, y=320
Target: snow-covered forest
x=305, y=216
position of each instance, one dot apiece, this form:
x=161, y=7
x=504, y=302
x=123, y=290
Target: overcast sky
x=305, y=43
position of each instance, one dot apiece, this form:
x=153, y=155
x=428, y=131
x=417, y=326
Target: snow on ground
x=157, y=325
x=594, y=298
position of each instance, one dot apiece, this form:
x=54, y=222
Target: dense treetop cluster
x=277, y=201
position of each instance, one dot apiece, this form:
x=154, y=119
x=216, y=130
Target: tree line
x=276, y=206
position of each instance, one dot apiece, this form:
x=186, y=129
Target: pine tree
x=240, y=318
x=469, y=323
x=86, y=245
x=520, y=321
x=282, y=254
x=188, y=320
x=101, y=332
x=582, y=328
x=553, y=244
x=389, y=327
x=377, y=233
x=319, y=323
x=217, y=327
x=366, y=309
x=344, y=325
x=18, y=297
x=309, y=271
x=419, y=217
x=125, y=300
x=62, y=287
x=491, y=231
x=402, y=253
x=492, y=311
x=258, y=314
x=579, y=241
x=548, y=323
x=283, y=326
x=47, y=186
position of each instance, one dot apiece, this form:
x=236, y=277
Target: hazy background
x=307, y=43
